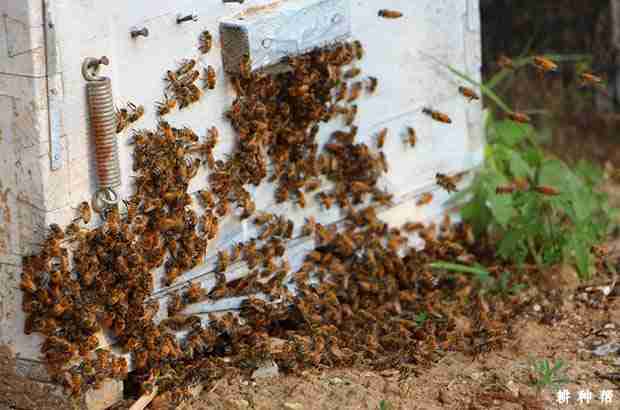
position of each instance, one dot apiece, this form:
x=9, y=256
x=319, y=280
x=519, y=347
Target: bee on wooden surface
x=437, y=116
x=350, y=115
x=137, y=112
x=359, y=50
x=547, y=190
x=411, y=136
x=372, y=84
x=519, y=117
x=165, y=107
x=381, y=138
x=352, y=72
x=354, y=93
x=544, y=64
x=84, y=212
x=186, y=67
x=425, y=199
x=389, y=14
x=468, y=93
x=210, y=78
x=206, y=42
x=505, y=62
x=446, y=182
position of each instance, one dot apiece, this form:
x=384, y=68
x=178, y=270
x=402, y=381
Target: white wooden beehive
x=47, y=153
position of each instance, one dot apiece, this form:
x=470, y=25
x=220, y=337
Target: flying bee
x=589, y=79
x=446, y=182
x=425, y=199
x=389, y=14
x=210, y=78
x=137, y=112
x=437, y=116
x=206, y=42
x=505, y=189
x=519, y=117
x=381, y=137
x=544, y=64
x=85, y=212
x=165, y=107
x=547, y=190
x=505, y=62
x=468, y=93
x=411, y=136
x=372, y=84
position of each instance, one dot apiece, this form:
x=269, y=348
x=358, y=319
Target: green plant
x=529, y=225
x=385, y=405
x=487, y=283
x=421, y=318
x=548, y=375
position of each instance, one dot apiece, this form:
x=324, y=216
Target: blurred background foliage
x=574, y=123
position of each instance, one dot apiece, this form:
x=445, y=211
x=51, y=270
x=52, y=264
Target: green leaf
x=519, y=167
x=457, y=267
x=511, y=133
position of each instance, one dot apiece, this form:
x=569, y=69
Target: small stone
x=237, y=404
x=605, y=349
x=512, y=388
x=336, y=380
x=293, y=406
x=266, y=370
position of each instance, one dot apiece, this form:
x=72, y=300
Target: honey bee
x=389, y=14
x=194, y=293
x=122, y=119
x=355, y=91
x=186, y=67
x=425, y=199
x=165, y=107
x=505, y=62
x=326, y=200
x=505, y=189
x=309, y=226
x=359, y=50
x=223, y=260
x=381, y=137
x=589, y=79
x=468, y=93
x=413, y=226
x=437, y=116
x=137, y=112
x=245, y=66
x=372, y=84
x=519, y=117
x=544, y=64
x=84, y=212
x=446, y=182
x=353, y=72
x=547, y=190
x=206, y=42
x=210, y=77
x=350, y=115
x=411, y=136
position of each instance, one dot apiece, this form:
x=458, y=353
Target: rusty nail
x=137, y=33
x=189, y=17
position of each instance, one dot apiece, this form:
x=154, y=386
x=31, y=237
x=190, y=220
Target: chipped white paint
x=47, y=153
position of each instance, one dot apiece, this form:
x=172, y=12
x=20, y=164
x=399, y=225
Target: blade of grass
x=459, y=268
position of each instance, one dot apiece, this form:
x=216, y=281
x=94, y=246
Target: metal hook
x=104, y=199
x=189, y=17
x=94, y=64
x=142, y=32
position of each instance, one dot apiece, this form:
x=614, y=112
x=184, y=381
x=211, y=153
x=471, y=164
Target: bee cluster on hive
x=355, y=295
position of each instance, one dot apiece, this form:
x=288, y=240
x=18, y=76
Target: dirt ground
x=500, y=379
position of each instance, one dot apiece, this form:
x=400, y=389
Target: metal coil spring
x=103, y=124
x=103, y=119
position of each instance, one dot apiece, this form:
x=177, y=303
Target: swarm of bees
x=356, y=292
